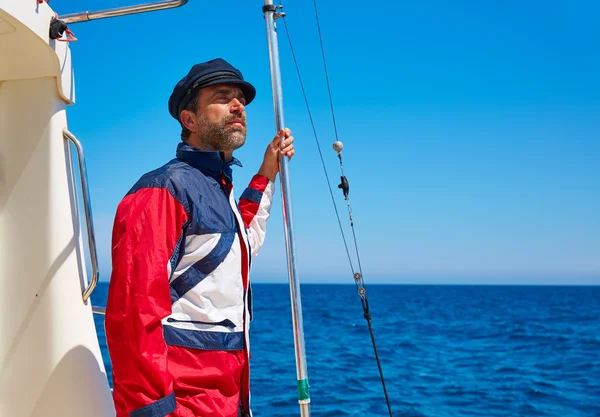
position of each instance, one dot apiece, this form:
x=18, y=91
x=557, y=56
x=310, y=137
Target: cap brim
x=247, y=88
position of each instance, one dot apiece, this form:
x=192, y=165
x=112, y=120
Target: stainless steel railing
x=87, y=206
x=122, y=11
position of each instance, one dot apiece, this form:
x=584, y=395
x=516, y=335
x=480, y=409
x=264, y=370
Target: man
x=179, y=302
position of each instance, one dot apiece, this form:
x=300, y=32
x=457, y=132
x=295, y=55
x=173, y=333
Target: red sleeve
x=251, y=198
x=147, y=227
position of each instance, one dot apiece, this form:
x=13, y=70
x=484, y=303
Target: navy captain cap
x=216, y=71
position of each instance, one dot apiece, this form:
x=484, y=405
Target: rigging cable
x=358, y=276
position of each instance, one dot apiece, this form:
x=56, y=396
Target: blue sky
x=471, y=130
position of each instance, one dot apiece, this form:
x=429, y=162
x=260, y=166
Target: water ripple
x=446, y=351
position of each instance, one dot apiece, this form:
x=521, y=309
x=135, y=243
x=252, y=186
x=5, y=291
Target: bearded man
x=180, y=301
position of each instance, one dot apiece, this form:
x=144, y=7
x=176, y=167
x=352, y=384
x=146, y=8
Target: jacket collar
x=208, y=162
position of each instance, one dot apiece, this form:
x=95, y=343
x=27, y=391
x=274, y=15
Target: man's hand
x=277, y=148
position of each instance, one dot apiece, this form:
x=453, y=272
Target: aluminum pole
x=271, y=14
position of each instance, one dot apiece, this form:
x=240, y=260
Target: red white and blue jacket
x=179, y=302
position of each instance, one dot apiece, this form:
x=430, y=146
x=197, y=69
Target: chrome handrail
x=122, y=11
x=87, y=206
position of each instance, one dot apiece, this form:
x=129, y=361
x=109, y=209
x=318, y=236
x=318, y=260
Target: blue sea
x=445, y=350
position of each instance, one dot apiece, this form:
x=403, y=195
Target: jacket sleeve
x=255, y=206
x=146, y=231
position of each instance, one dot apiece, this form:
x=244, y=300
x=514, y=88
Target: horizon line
x=424, y=284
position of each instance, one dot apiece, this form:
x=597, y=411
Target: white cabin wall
x=50, y=359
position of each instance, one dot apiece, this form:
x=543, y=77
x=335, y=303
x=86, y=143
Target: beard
x=222, y=136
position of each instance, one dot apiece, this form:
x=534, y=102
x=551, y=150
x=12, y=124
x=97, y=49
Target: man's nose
x=236, y=106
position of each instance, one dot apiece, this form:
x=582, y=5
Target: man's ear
x=189, y=120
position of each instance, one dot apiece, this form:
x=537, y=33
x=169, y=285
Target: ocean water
x=445, y=350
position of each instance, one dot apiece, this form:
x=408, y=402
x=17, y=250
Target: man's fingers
x=281, y=134
x=287, y=142
x=287, y=149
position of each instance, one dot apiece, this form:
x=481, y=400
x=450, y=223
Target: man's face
x=221, y=117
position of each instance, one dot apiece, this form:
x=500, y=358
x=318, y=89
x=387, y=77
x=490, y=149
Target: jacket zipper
x=245, y=381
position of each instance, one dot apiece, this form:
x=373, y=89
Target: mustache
x=233, y=117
